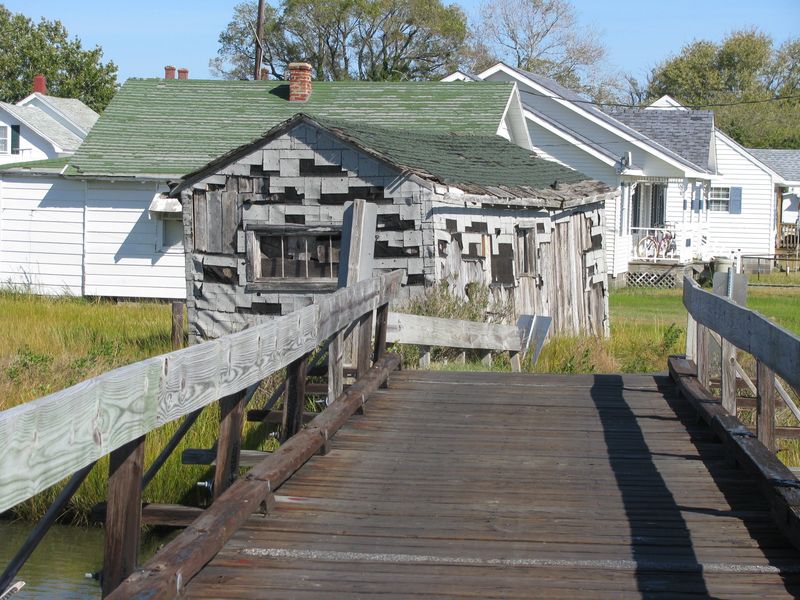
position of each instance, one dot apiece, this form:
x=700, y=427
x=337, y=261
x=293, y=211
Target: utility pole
x=259, y=48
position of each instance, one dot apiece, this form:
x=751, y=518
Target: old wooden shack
x=263, y=223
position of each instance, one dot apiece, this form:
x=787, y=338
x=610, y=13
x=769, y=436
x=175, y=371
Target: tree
x=346, y=39
x=742, y=79
x=542, y=36
x=28, y=48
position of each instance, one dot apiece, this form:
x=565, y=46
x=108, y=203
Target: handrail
x=769, y=343
x=48, y=439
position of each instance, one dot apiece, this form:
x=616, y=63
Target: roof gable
x=585, y=107
x=160, y=128
x=688, y=133
x=476, y=164
x=44, y=125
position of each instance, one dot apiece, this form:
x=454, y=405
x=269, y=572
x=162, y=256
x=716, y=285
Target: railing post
x=335, y=367
x=177, y=325
x=728, y=374
x=382, y=324
x=364, y=343
x=295, y=396
x=424, y=357
x=701, y=356
x=691, y=337
x=123, y=513
x=765, y=405
x=229, y=445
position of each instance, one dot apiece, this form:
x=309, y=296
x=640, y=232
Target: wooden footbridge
x=442, y=484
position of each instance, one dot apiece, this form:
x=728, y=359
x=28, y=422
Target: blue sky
x=143, y=36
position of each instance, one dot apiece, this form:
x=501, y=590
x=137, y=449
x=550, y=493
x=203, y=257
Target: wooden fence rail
x=777, y=352
x=49, y=439
x=46, y=440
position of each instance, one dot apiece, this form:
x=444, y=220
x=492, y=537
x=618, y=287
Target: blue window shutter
x=697, y=200
x=15, y=139
x=735, y=203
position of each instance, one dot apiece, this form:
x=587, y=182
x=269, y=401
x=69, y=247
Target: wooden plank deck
x=488, y=485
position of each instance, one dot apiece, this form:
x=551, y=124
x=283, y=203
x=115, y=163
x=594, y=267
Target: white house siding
x=123, y=258
x=41, y=234
x=31, y=146
x=750, y=232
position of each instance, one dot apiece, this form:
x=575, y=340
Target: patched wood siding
x=568, y=281
x=41, y=234
x=305, y=177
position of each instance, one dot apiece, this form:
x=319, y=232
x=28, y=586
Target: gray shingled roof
x=568, y=94
x=785, y=163
x=686, y=132
x=43, y=124
x=72, y=108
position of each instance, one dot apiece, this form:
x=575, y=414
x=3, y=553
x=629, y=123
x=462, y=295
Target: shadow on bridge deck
x=491, y=485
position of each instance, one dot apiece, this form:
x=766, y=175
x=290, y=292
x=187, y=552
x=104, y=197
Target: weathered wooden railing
x=486, y=338
x=63, y=434
x=777, y=352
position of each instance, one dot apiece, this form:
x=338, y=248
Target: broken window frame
x=526, y=255
x=255, y=235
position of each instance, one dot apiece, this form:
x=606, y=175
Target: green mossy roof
x=458, y=159
x=155, y=127
x=47, y=165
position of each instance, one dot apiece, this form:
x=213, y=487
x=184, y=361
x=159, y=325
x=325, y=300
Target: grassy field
x=47, y=344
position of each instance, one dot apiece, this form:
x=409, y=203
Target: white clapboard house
x=785, y=162
x=99, y=222
x=688, y=192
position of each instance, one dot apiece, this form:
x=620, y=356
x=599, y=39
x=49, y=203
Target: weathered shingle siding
x=267, y=188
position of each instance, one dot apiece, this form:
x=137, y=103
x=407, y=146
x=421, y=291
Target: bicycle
x=653, y=246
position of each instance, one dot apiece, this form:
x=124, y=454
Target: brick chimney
x=40, y=84
x=169, y=72
x=299, y=82
x=183, y=73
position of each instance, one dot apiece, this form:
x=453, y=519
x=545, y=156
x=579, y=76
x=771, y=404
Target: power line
x=691, y=107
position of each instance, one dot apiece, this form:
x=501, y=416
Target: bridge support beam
x=123, y=514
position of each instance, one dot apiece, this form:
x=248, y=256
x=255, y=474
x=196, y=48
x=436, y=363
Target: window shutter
x=15, y=139
x=735, y=203
x=697, y=200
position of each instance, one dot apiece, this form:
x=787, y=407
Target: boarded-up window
x=526, y=252
x=299, y=256
x=503, y=265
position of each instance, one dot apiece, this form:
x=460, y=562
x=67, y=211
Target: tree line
x=752, y=84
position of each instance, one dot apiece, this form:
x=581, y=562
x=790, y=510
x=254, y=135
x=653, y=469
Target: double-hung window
x=719, y=199
x=4, y=141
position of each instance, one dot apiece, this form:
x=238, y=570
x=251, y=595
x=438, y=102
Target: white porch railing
x=655, y=244
x=681, y=243
x=788, y=236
